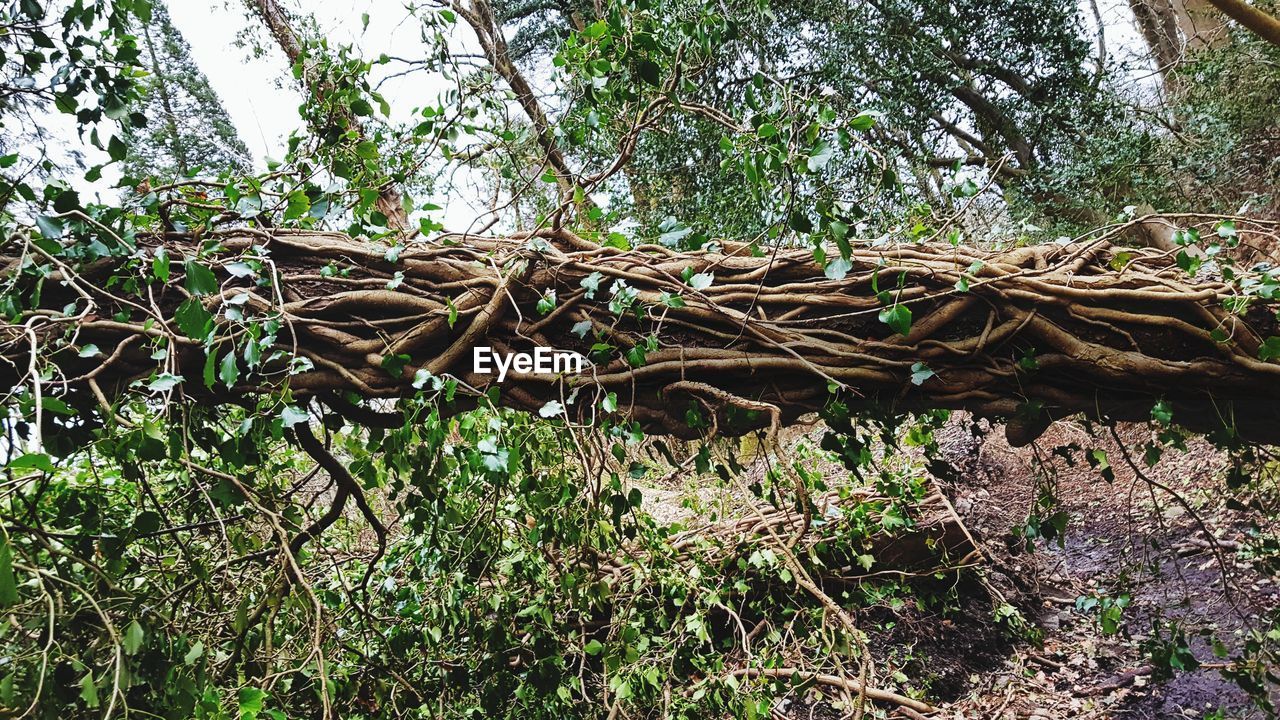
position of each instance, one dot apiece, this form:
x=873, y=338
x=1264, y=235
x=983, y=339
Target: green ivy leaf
x=421, y=377
x=897, y=317
x=650, y=72
x=1099, y=461
x=1120, y=260
x=673, y=232
x=250, y=701
x=56, y=405
x=636, y=356
x=800, y=222
x=164, y=382
x=117, y=149
x=134, y=635
x=1270, y=348
x=160, y=265
x=1190, y=263
x=147, y=522
x=298, y=206
x=547, y=302
x=227, y=371
x=701, y=281
x=838, y=268
x=89, y=690
x=919, y=373
x=210, y=368
x=114, y=107
x=591, y=284
x=1162, y=413
x=200, y=279
x=193, y=320
x=862, y=121
x=50, y=227
x=8, y=583
x=820, y=155
x=292, y=415
x=33, y=461
x=840, y=233
x=394, y=364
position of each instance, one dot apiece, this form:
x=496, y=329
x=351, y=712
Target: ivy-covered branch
x=686, y=343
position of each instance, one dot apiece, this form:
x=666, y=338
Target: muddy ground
x=1127, y=536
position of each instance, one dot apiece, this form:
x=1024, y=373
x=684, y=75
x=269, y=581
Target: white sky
x=253, y=90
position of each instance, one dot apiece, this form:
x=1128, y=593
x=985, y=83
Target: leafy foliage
x=260, y=554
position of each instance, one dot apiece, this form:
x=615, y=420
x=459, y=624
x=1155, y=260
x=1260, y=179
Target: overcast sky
x=253, y=91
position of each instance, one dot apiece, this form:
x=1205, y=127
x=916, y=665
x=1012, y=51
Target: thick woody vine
x=1026, y=335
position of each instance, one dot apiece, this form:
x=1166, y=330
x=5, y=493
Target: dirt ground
x=1127, y=536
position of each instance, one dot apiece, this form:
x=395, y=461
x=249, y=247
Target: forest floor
x=1162, y=539
x=1128, y=537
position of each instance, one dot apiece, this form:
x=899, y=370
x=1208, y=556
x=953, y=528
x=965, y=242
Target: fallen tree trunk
x=688, y=342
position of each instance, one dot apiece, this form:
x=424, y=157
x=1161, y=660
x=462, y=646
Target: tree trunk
x=1202, y=27
x=1264, y=25
x=1039, y=333
x=1157, y=21
x=479, y=15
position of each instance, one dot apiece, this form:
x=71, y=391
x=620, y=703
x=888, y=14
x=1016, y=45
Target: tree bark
x=1040, y=333
x=1157, y=21
x=1201, y=25
x=489, y=33
x=1264, y=25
